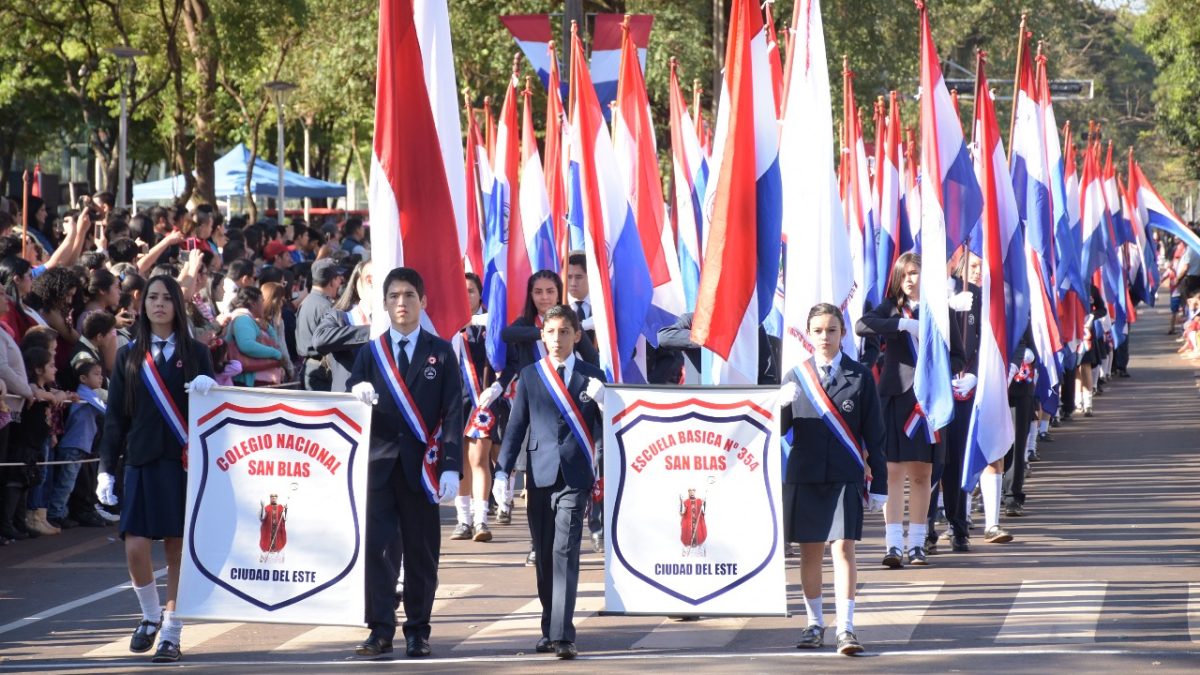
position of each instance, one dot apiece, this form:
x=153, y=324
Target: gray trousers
x=556, y=524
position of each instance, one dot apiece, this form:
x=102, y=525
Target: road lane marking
x=68, y=606
x=1194, y=611
x=1054, y=612
x=194, y=635
x=520, y=630
x=703, y=634
x=891, y=611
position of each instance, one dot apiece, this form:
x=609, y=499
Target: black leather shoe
x=894, y=558
x=960, y=544
x=564, y=649
x=812, y=637
x=144, y=637
x=373, y=646
x=598, y=542
x=168, y=652
x=544, y=646
x=848, y=644
x=931, y=542
x=418, y=647
x=531, y=559
x=916, y=556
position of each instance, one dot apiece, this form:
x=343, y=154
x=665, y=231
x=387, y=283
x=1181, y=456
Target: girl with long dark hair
x=147, y=435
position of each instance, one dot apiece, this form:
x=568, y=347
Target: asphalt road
x=1103, y=576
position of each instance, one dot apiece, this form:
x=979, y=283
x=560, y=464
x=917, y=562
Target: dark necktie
x=402, y=357
x=826, y=376
x=161, y=359
x=579, y=310
x=562, y=373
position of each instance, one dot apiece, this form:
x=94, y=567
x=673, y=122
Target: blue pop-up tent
x=230, y=179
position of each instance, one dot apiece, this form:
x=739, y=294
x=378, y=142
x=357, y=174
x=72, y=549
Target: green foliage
x=1170, y=30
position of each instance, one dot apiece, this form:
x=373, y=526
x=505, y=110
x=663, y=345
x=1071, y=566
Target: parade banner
x=692, y=503
x=276, y=507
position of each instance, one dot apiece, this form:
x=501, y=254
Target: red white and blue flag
x=476, y=212
x=894, y=235
x=689, y=168
x=1065, y=259
x=950, y=206
x=1159, y=215
x=858, y=204
x=1113, y=270
x=1143, y=262
x=741, y=261
x=607, y=34
x=507, y=266
x=533, y=33
x=990, y=430
x=556, y=159
x=618, y=277
x=417, y=194
x=537, y=222
x=818, y=266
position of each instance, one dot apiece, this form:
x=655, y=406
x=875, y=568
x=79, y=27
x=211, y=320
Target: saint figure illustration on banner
x=693, y=531
x=272, y=532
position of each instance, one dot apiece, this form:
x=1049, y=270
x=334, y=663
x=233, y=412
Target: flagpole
x=24, y=212
x=1012, y=122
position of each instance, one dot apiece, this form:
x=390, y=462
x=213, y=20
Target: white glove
x=588, y=323
x=963, y=385
x=500, y=488
x=1029, y=356
x=447, y=486
x=479, y=319
x=788, y=393
x=595, y=390
x=1012, y=371
x=490, y=395
x=365, y=392
x=875, y=503
x=961, y=302
x=201, y=385
x=104, y=489
x=910, y=326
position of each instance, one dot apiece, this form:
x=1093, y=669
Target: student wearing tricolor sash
x=411, y=377
x=147, y=423
x=557, y=408
x=835, y=469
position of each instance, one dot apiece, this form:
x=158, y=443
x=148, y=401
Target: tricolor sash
x=917, y=419
x=408, y=408
x=568, y=409
x=810, y=384
x=541, y=346
x=480, y=421
x=161, y=396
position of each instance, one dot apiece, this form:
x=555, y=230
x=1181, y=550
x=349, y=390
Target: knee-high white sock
x=812, y=607
x=512, y=486
x=989, y=486
x=172, y=627
x=845, y=615
x=462, y=507
x=1086, y=399
x=480, y=507
x=1044, y=425
x=148, y=599
x=1096, y=373
x=893, y=535
x=916, y=537
x=1031, y=440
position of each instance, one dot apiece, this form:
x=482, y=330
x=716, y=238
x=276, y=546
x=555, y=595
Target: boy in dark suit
x=419, y=401
x=557, y=404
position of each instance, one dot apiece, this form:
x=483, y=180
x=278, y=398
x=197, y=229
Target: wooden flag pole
x=24, y=212
x=1012, y=122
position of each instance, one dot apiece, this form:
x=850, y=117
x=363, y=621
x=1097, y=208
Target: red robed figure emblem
x=693, y=531
x=272, y=532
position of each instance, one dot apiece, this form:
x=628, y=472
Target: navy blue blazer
x=899, y=363
x=521, y=338
x=143, y=432
x=435, y=385
x=817, y=455
x=552, y=445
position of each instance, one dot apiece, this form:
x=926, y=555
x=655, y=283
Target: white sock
x=462, y=506
x=941, y=501
x=916, y=537
x=812, y=607
x=1044, y=425
x=148, y=598
x=172, y=628
x=1096, y=374
x=512, y=486
x=480, y=507
x=845, y=615
x=893, y=536
x=989, y=486
x=1087, y=399
x=1031, y=440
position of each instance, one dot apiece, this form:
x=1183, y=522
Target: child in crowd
x=78, y=443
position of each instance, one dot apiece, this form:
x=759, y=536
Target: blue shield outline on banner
x=200, y=493
x=765, y=453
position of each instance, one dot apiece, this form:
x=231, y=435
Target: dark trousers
x=1014, y=462
x=954, y=500
x=401, y=522
x=556, y=524
x=1121, y=355
x=1067, y=392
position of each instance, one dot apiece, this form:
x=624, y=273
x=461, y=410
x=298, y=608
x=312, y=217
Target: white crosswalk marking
x=520, y=630
x=705, y=633
x=1193, y=610
x=327, y=638
x=1054, y=612
x=891, y=611
x=194, y=635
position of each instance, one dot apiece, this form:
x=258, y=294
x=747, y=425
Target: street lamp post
x=279, y=91
x=126, y=54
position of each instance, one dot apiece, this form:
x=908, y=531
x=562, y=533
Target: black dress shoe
x=565, y=649
x=168, y=652
x=373, y=646
x=544, y=646
x=931, y=541
x=960, y=544
x=894, y=558
x=418, y=647
x=144, y=637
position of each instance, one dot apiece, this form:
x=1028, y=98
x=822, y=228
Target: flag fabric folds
x=689, y=178
x=857, y=202
x=417, y=193
x=606, y=52
x=1159, y=215
x=537, y=224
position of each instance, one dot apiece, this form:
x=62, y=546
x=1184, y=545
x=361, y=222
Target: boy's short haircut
x=563, y=312
x=84, y=366
x=98, y=323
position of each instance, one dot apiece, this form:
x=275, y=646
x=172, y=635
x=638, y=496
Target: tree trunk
x=202, y=36
x=718, y=41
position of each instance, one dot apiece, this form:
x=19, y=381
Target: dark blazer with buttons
x=899, y=362
x=817, y=455
x=142, y=432
x=552, y=445
x=521, y=338
x=434, y=382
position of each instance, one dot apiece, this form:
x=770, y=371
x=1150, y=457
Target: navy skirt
x=898, y=446
x=154, y=500
x=821, y=512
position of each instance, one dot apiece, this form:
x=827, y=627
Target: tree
x=1170, y=30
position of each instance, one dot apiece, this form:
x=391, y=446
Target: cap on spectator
x=273, y=250
x=325, y=271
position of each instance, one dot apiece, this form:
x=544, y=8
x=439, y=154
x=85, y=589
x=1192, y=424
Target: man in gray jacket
x=327, y=280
